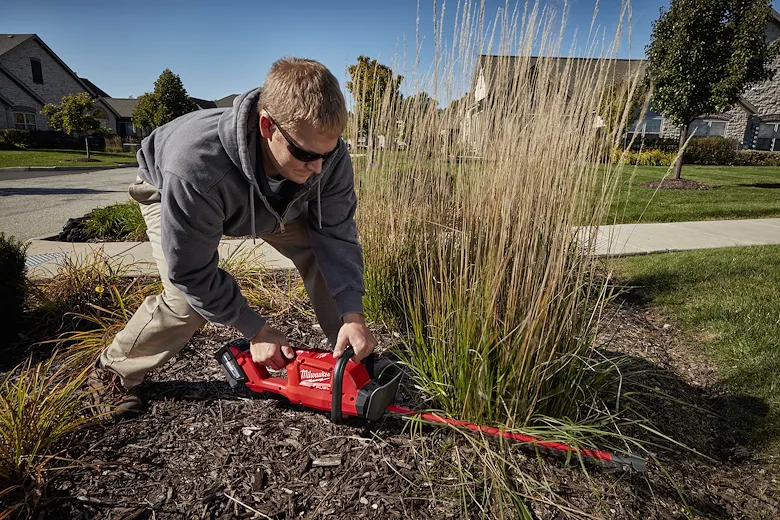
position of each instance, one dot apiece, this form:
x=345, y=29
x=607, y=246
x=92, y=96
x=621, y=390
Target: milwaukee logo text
x=308, y=374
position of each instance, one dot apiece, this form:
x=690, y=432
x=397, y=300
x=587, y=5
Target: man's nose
x=315, y=166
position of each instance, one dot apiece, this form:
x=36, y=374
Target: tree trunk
x=86, y=141
x=678, y=164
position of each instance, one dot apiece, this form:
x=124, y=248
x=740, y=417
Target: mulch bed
x=676, y=184
x=206, y=451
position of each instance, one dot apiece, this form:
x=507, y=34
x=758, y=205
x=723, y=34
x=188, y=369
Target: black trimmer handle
x=337, y=383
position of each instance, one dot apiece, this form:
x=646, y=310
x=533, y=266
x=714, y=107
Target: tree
x=371, y=83
x=703, y=54
x=613, y=106
x=75, y=114
x=168, y=101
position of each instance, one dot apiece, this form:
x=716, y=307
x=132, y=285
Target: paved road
x=35, y=204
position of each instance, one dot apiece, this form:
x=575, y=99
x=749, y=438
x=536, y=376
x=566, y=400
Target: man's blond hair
x=299, y=90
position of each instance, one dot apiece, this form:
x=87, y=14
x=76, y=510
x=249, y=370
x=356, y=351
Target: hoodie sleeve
x=191, y=231
x=334, y=238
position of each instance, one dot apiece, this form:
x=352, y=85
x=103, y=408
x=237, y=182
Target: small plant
x=82, y=347
x=122, y=221
x=81, y=282
x=260, y=285
x=13, y=284
x=40, y=405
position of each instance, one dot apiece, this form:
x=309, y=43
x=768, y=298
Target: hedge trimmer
x=316, y=379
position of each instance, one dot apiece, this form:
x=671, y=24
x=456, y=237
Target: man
x=272, y=166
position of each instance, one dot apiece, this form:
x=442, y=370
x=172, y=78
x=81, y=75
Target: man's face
x=306, y=138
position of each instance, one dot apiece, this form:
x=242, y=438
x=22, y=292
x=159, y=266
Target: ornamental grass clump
x=467, y=217
x=40, y=405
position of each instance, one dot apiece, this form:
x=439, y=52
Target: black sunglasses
x=295, y=150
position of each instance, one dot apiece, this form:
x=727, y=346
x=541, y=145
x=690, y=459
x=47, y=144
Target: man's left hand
x=355, y=333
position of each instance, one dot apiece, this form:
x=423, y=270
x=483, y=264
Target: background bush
x=645, y=158
x=13, y=285
x=114, y=144
x=711, y=150
x=12, y=139
x=756, y=158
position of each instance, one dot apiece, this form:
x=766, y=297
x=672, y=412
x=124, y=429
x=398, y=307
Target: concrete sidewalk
x=45, y=256
x=637, y=239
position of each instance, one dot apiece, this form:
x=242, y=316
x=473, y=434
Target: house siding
x=57, y=81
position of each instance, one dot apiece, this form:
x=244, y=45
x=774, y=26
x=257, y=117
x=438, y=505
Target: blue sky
x=221, y=48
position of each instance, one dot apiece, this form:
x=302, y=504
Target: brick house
x=754, y=121
x=31, y=75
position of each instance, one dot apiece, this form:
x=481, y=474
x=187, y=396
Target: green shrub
x=756, y=158
x=646, y=158
x=12, y=139
x=717, y=151
x=13, y=284
x=662, y=144
x=122, y=221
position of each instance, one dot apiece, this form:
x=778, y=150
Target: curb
x=63, y=168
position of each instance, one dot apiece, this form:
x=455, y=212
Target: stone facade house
x=754, y=121
x=31, y=75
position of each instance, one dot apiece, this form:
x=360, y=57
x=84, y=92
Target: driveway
x=35, y=204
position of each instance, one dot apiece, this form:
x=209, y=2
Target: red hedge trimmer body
x=316, y=379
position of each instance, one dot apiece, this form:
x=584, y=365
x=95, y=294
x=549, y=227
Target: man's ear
x=266, y=126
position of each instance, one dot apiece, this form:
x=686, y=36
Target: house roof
x=226, y=102
x=504, y=67
x=94, y=88
x=203, y=103
x=122, y=106
x=9, y=41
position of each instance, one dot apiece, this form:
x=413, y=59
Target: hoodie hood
x=238, y=131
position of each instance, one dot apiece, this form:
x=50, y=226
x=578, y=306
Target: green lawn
x=727, y=301
x=61, y=158
x=740, y=192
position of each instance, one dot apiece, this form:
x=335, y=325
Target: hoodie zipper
x=275, y=214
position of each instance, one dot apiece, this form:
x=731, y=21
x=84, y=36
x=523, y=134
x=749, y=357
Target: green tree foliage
x=704, y=53
x=75, y=114
x=168, y=101
x=372, y=85
x=616, y=104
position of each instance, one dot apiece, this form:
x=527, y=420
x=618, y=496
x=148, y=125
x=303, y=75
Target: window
x=24, y=121
x=768, y=137
x=707, y=128
x=37, y=71
x=125, y=129
x=646, y=129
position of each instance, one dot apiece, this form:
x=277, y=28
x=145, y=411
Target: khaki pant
x=163, y=324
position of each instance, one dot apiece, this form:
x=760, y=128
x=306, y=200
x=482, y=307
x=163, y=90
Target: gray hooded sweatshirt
x=204, y=164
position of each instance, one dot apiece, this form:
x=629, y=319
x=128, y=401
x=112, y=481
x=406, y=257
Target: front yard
x=739, y=192
x=12, y=158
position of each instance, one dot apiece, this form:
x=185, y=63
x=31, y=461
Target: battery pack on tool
x=317, y=380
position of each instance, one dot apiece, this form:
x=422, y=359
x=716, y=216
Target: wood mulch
x=206, y=451
x=676, y=184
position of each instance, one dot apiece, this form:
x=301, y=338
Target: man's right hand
x=269, y=347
